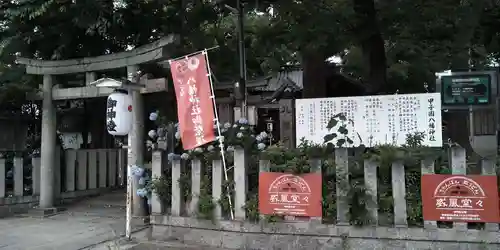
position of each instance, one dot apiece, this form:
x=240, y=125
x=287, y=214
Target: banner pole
x=221, y=142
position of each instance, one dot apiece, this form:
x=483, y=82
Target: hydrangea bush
x=232, y=135
x=145, y=184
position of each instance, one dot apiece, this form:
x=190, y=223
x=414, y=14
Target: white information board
x=372, y=120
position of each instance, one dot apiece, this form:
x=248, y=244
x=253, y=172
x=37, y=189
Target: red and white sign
x=195, y=108
x=288, y=194
x=471, y=198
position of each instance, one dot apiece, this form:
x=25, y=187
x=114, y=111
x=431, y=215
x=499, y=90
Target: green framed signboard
x=466, y=89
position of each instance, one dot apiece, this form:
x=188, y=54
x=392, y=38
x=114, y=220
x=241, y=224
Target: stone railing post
x=264, y=166
x=399, y=194
x=240, y=180
x=2, y=177
x=195, y=186
x=217, y=177
x=316, y=168
x=428, y=168
x=342, y=185
x=370, y=171
x=157, y=164
x=488, y=168
x=177, y=199
x=35, y=175
x=458, y=166
x=18, y=176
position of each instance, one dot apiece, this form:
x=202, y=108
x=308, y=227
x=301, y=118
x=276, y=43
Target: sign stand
x=221, y=142
x=130, y=85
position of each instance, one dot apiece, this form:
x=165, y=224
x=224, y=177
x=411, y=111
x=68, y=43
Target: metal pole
x=221, y=142
x=242, y=60
x=128, y=219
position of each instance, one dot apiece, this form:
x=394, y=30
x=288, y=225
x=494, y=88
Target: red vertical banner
x=195, y=108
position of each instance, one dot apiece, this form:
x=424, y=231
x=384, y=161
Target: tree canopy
x=393, y=45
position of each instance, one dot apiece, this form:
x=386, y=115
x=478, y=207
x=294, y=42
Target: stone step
x=43, y=212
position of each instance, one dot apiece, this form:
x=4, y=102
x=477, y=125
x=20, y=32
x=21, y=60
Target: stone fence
x=84, y=172
x=169, y=222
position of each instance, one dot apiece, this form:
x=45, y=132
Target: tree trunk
x=372, y=45
x=314, y=75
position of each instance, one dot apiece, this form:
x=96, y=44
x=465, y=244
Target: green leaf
x=349, y=140
x=343, y=130
x=342, y=117
x=340, y=142
x=329, y=137
x=332, y=123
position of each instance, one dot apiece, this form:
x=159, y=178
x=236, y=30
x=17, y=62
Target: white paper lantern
x=119, y=114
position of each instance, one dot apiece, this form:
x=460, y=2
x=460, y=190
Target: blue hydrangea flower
x=173, y=157
x=185, y=156
x=152, y=134
x=142, y=192
x=153, y=116
x=261, y=146
x=137, y=171
x=133, y=169
x=161, y=132
x=142, y=181
x=243, y=121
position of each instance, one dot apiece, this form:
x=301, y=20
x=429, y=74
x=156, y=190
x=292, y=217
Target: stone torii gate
x=155, y=52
